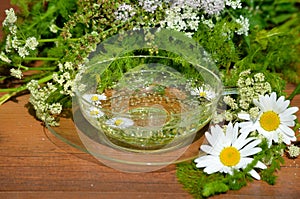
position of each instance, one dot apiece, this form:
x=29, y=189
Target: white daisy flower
x=120, y=122
x=228, y=151
x=209, y=94
x=274, y=119
x=95, y=99
x=95, y=112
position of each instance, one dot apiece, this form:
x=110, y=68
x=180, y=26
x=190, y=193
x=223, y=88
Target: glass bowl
x=143, y=106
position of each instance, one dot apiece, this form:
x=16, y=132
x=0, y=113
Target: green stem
x=41, y=58
x=42, y=68
x=55, y=39
x=36, y=68
x=15, y=91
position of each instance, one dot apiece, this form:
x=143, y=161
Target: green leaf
x=214, y=188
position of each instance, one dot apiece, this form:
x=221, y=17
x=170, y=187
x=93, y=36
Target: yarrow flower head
x=212, y=7
x=150, y=5
x=228, y=151
x=274, y=119
x=16, y=73
x=294, y=151
x=124, y=12
x=4, y=58
x=11, y=17
x=244, y=23
x=182, y=16
x=31, y=43
x=233, y=3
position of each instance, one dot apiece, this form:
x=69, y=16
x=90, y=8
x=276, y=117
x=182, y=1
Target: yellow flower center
x=118, y=122
x=94, y=98
x=230, y=156
x=202, y=94
x=269, y=121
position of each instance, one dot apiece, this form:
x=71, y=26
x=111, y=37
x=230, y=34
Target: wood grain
x=35, y=164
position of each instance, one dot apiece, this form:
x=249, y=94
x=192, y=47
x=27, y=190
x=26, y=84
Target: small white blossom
x=249, y=81
x=15, y=43
x=124, y=12
x=230, y=102
x=53, y=28
x=182, y=17
x=254, y=112
x=55, y=108
x=259, y=77
x=245, y=73
x=228, y=116
x=31, y=43
x=294, y=151
x=95, y=99
x=233, y=3
x=13, y=29
x=68, y=65
x=206, y=93
x=23, y=52
x=244, y=104
x=212, y=7
x=150, y=5
x=120, y=122
x=4, y=58
x=16, y=73
x=8, y=44
x=244, y=23
x=208, y=22
x=11, y=17
x=95, y=112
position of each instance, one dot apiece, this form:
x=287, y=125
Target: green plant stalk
x=41, y=59
x=55, y=39
x=15, y=91
x=36, y=68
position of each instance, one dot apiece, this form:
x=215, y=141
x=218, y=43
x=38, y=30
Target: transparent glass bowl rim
x=118, y=114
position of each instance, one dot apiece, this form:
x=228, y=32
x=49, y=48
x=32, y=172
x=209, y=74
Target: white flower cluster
x=294, y=151
x=16, y=73
x=212, y=7
x=4, y=58
x=233, y=3
x=10, y=19
x=64, y=78
x=244, y=23
x=150, y=5
x=22, y=46
x=182, y=16
x=249, y=88
x=38, y=98
x=124, y=12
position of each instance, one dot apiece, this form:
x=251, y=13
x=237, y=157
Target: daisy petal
x=254, y=174
x=286, y=130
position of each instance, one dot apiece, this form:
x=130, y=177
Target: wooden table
x=36, y=164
